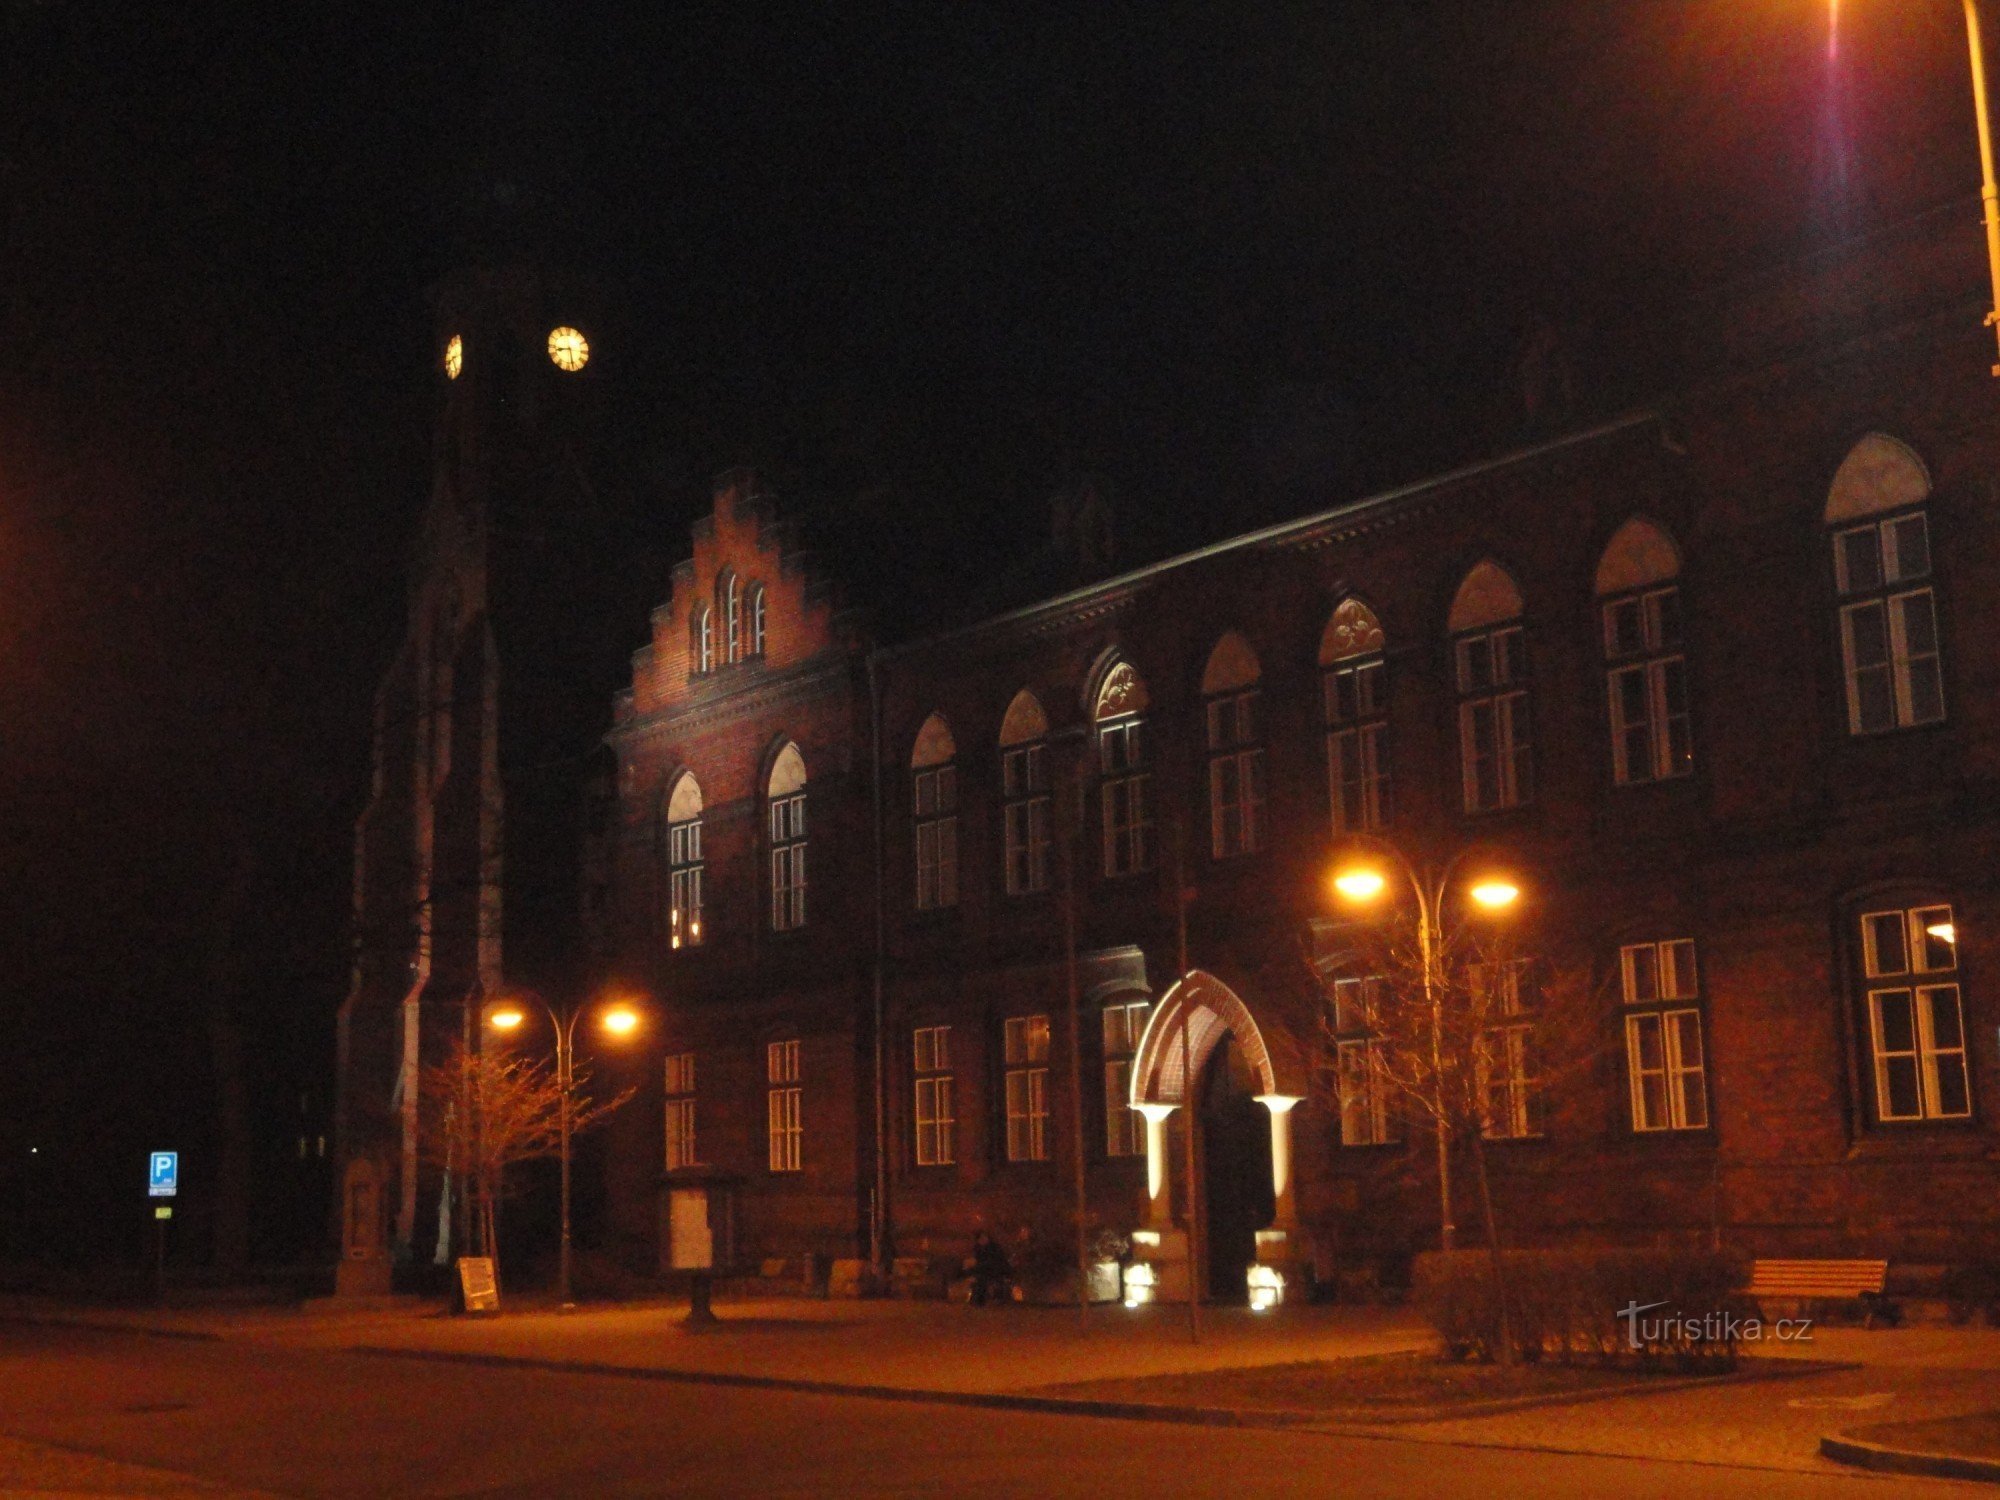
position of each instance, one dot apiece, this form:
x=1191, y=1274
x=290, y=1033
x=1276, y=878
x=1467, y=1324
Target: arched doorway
x=1203, y=1045
x=1235, y=1158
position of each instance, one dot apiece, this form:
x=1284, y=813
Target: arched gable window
x=1124, y=782
x=1490, y=653
x=934, y=797
x=729, y=605
x=1645, y=661
x=785, y=808
x=1882, y=569
x=1235, y=755
x=1024, y=791
x=1356, y=700
x=756, y=605
x=685, y=864
x=701, y=640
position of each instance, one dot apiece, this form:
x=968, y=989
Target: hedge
x=1565, y=1306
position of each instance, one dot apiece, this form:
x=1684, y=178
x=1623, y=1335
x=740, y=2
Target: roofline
x=1280, y=532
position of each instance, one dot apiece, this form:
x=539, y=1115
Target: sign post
x=163, y=1180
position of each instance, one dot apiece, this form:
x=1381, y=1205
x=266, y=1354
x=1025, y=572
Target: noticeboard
x=477, y=1283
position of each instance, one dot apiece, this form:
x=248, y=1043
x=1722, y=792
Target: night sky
x=923, y=263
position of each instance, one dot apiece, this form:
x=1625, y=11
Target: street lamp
x=1360, y=882
x=617, y=1019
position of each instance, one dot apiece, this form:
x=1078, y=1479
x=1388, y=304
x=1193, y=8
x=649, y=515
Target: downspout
x=878, y=1209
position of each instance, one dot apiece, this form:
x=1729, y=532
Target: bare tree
x=485, y=1110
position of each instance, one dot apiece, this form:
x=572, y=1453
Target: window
x=1026, y=1051
x=1504, y=1058
x=756, y=619
x=1357, y=714
x=1490, y=651
x=786, y=802
x=1367, y=1117
x=935, y=796
x=1124, y=784
x=680, y=1111
x=685, y=865
x=1235, y=759
x=1882, y=570
x=1024, y=790
x=702, y=647
x=1916, y=1021
x=781, y=1074
x=935, y=1145
x=1646, y=670
x=1124, y=1027
x=1663, y=1050
x=729, y=603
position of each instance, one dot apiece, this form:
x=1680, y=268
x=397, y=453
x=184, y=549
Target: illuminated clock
x=568, y=349
x=454, y=357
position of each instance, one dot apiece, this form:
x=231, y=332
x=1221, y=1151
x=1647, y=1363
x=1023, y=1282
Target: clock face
x=568, y=349
x=454, y=357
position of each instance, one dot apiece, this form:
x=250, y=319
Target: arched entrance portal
x=1202, y=1031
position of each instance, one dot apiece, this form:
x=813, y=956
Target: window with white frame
x=757, y=603
x=786, y=825
x=1504, y=1063
x=1490, y=653
x=1235, y=758
x=1124, y=782
x=1361, y=1062
x=729, y=603
x=685, y=864
x=1124, y=1024
x=1915, y=1016
x=1355, y=697
x=680, y=1111
x=782, y=1115
x=1645, y=662
x=1025, y=1050
x=702, y=648
x=1882, y=565
x=935, y=1116
x=1665, y=1061
x=1024, y=794
x=934, y=794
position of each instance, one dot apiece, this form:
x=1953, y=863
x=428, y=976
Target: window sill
x=1962, y=1140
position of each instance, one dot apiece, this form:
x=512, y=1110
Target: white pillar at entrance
x=1281, y=1106
x=1158, y=1208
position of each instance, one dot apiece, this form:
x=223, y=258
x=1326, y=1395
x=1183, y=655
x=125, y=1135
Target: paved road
x=287, y=1421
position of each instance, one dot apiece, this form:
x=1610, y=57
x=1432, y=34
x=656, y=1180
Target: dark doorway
x=1236, y=1170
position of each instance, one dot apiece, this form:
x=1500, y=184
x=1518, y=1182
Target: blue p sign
x=163, y=1175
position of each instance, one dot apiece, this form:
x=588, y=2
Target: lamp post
x=617, y=1019
x=1989, y=193
x=1359, y=881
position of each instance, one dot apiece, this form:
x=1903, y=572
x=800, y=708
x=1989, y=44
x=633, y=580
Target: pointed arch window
x=756, y=607
x=1639, y=595
x=1489, y=650
x=1235, y=752
x=701, y=643
x=729, y=605
x=686, y=865
x=1355, y=696
x=1890, y=655
x=934, y=796
x=1024, y=791
x=1124, y=776
x=785, y=813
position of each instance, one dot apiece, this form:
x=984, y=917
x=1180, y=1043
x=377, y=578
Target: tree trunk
x=1508, y=1351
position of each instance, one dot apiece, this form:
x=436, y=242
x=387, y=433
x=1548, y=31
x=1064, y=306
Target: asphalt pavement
x=253, y=1417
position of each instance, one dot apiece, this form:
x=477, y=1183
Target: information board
x=476, y=1281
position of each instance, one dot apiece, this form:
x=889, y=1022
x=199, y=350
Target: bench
x=1825, y=1280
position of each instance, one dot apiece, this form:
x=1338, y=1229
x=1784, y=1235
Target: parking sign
x=163, y=1177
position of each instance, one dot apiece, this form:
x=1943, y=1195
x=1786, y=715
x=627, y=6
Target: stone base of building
x=362, y=1277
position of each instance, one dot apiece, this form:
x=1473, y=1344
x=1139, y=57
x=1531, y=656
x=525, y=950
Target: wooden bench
x=1824, y=1280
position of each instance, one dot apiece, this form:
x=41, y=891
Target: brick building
x=1718, y=678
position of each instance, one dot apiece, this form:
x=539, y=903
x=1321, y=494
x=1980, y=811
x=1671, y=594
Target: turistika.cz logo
x=1717, y=1327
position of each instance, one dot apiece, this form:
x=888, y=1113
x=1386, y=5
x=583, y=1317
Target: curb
x=105, y=1325
x=1077, y=1406
x=1887, y=1460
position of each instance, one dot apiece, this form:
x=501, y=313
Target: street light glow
x=1494, y=894
x=620, y=1020
x=506, y=1018
x=1359, y=885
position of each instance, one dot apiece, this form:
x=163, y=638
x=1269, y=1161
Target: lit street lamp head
x=1360, y=884
x=1496, y=895
x=620, y=1020
x=505, y=1017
